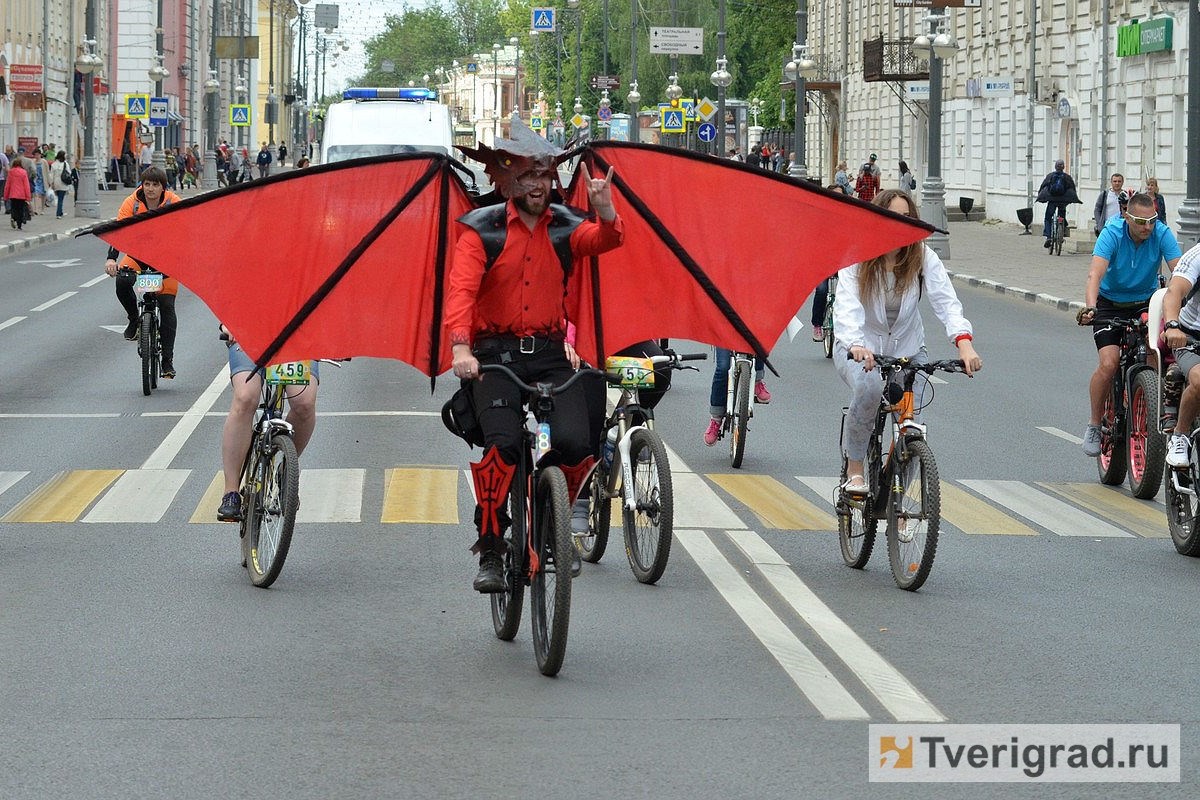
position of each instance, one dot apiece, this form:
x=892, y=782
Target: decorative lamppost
x=574, y=5
x=88, y=63
x=721, y=78
x=516, y=112
x=796, y=71
x=674, y=92
x=208, y=180
x=634, y=100
x=158, y=73
x=495, y=91
x=240, y=89
x=938, y=45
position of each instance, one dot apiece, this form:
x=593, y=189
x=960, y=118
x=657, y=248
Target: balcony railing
x=892, y=60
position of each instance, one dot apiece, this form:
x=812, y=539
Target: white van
x=375, y=122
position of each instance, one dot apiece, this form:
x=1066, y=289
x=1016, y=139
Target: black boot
x=490, y=579
x=131, y=330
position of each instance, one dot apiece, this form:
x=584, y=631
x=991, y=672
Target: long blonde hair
x=908, y=259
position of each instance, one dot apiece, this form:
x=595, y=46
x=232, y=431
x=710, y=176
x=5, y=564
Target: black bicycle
x=902, y=487
x=634, y=468
x=147, y=284
x=1058, y=233
x=538, y=544
x=1131, y=444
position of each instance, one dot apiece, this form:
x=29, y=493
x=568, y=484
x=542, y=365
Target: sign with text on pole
x=601, y=82
x=325, y=15
x=137, y=106
x=937, y=3
x=239, y=115
x=158, y=112
x=542, y=19
x=25, y=78
x=677, y=41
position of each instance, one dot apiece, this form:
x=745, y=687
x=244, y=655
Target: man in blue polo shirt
x=1123, y=275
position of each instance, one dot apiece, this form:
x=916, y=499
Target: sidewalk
x=988, y=254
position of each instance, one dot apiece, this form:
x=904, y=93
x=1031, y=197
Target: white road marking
x=1042, y=509
x=808, y=673
x=1060, y=434
x=98, y=279
x=97, y=415
x=330, y=495
x=822, y=486
x=165, y=453
x=54, y=263
x=114, y=328
x=902, y=700
x=9, y=479
x=139, y=495
x=703, y=507
x=8, y=323
x=52, y=301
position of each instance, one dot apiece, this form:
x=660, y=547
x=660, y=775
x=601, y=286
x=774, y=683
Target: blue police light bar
x=390, y=93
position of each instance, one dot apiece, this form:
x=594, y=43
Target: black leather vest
x=490, y=223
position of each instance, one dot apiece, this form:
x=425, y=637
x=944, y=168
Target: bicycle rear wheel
x=1059, y=233
x=507, y=605
x=827, y=327
x=1111, y=462
x=857, y=523
x=1147, y=445
x=146, y=342
x=595, y=542
x=740, y=424
x=550, y=587
x=914, y=521
x=276, y=496
x=648, y=527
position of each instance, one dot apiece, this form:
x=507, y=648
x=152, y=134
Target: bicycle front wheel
x=1147, y=453
x=272, y=513
x=146, y=351
x=593, y=544
x=1059, y=234
x=550, y=588
x=914, y=518
x=648, y=526
x=740, y=424
x=507, y=605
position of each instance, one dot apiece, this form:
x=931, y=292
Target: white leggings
x=866, y=389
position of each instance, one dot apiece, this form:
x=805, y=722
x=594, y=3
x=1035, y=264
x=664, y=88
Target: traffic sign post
x=677, y=41
x=137, y=106
x=542, y=20
x=707, y=132
x=671, y=120
x=158, y=112
x=239, y=116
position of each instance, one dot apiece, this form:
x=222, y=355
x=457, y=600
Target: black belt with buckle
x=488, y=345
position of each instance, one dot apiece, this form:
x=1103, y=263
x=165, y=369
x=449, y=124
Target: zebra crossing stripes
x=697, y=505
x=139, y=495
x=10, y=479
x=971, y=515
x=775, y=505
x=423, y=494
x=335, y=495
x=1145, y=519
x=64, y=497
x=1041, y=509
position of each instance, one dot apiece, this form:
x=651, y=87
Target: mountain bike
x=1058, y=233
x=902, y=484
x=147, y=284
x=635, y=468
x=738, y=408
x=1131, y=444
x=827, y=325
x=538, y=543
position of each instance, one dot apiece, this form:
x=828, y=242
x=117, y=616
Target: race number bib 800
x=148, y=282
x=291, y=373
x=636, y=373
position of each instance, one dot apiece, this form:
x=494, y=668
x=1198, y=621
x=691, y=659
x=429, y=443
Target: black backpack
x=1058, y=184
x=68, y=175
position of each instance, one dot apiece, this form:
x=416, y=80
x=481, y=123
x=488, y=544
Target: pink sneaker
x=713, y=432
x=818, y=333
x=761, y=395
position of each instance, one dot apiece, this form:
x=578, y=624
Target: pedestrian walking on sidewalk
x=1110, y=203
x=18, y=192
x=1057, y=192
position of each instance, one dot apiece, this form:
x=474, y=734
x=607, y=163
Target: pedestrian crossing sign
x=137, y=106
x=671, y=120
x=536, y=123
x=542, y=20
x=239, y=115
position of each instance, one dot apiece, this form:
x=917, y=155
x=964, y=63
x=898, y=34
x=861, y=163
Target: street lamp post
x=88, y=63
x=939, y=45
x=634, y=98
x=495, y=91
x=515, y=42
x=158, y=73
x=796, y=70
x=721, y=78
x=208, y=180
x=1189, y=210
x=574, y=4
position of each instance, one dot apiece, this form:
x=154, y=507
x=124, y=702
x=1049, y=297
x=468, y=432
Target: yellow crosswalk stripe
x=425, y=494
x=206, y=510
x=64, y=497
x=773, y=503
x=971, y=515
x=1136, y=516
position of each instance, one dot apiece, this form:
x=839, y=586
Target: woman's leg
x=62, y=195
x=865, y=388
x=720, y=383
x=820, y=296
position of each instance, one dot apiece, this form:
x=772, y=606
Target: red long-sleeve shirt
x=522, y=294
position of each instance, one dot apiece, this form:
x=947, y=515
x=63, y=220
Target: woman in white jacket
x=876, y=313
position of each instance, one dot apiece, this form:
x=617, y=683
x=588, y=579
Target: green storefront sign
x=1139, y=38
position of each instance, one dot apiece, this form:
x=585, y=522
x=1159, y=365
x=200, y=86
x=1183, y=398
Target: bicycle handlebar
x=906, y=364
x=674, y=358
x=540, y=389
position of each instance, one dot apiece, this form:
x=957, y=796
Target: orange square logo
x=895, y=754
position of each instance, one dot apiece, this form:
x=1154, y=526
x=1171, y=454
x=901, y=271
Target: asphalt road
x=139, y=662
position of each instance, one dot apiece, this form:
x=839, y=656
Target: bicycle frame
x=626, y=410
x=902, y=418
x=735, y=359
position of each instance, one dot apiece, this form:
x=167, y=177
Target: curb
x=30, y=242
x=1012, y=291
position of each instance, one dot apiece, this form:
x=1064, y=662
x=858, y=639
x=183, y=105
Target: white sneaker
x=1178, y=451
x=1091, y=441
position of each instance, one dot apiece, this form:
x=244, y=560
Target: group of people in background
x=34, y=182
x=1058, y=190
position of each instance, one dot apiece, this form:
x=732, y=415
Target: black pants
x=166, y=312
x=498, y=403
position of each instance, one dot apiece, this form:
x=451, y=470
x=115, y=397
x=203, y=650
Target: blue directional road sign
x=542, y=19
x=707, y=132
